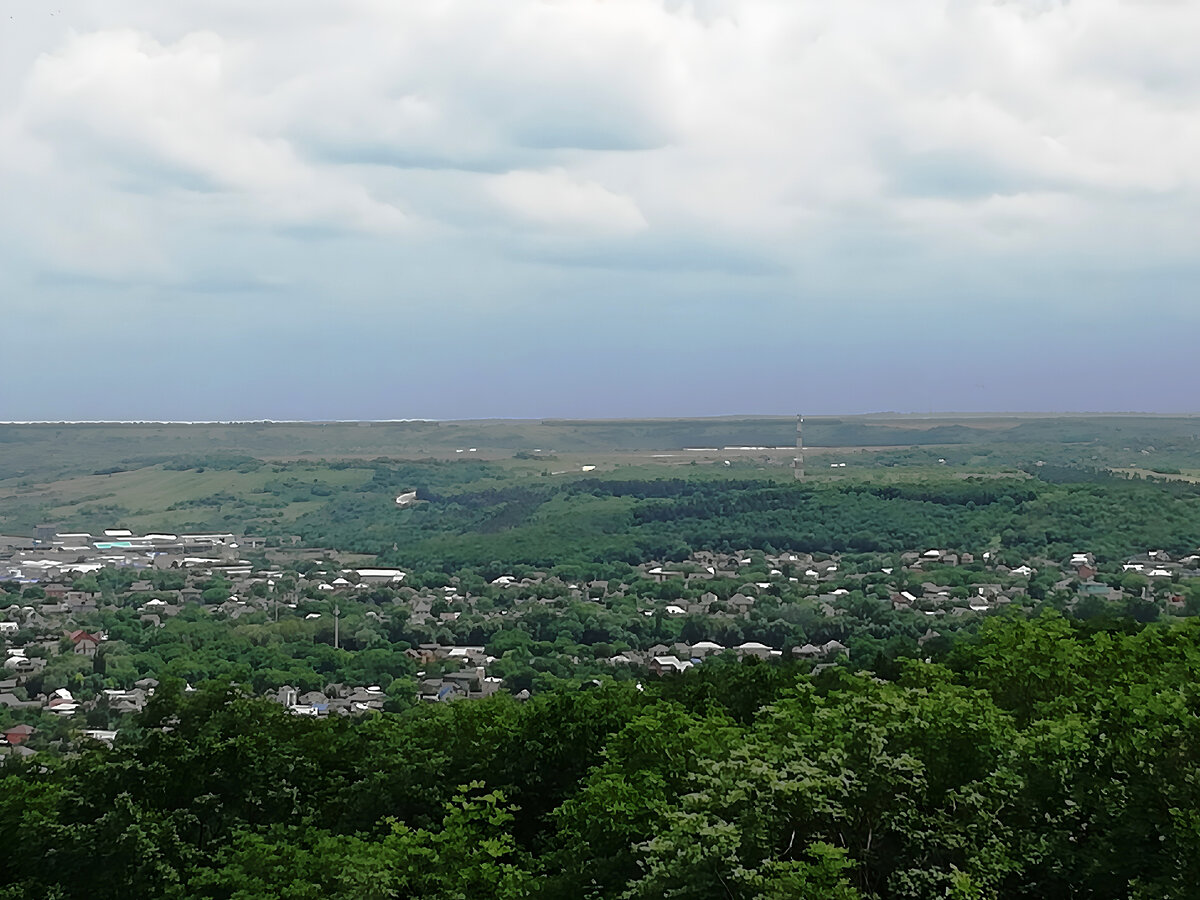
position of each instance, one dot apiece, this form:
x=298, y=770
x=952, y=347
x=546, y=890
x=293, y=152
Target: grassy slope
x=47, y=472
x=143, y=498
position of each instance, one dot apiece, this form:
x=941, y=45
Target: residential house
x=436, y=690
x=126, y=701
x=704, y=649
x=18, y=734
x=12, y=701
x=740, y=604
x=821, y=651
x=661, y=665
x=659, y=574
x=807, y=651
x=753, y=648
x=474, y=682
x=475, y=656
x=86, y=643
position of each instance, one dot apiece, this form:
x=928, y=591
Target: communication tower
x=798, y=461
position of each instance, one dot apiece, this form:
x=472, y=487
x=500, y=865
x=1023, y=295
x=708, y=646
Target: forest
x=595, y=521
x=1040, y=758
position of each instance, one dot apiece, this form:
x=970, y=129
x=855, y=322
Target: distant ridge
x=587, y=420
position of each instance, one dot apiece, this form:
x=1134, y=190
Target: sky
x=395, y=209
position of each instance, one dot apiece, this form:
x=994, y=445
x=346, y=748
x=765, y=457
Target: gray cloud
x=449, y=172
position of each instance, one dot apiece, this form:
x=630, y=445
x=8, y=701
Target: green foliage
x=1046, y=759
x=590, y=523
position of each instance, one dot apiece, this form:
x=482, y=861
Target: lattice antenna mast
x=798, y=461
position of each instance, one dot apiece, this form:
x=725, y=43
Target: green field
x=36, y=449
x=275, y=478
x=156, y=498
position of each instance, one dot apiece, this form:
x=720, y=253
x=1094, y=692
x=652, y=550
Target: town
x=91, y=623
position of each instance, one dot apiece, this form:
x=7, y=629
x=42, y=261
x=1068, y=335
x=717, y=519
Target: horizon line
x=646, y=418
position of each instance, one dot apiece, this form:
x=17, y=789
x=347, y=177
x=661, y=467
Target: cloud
x=462, y=157
x=145, y=117
x=553, y=198
x=768, y=123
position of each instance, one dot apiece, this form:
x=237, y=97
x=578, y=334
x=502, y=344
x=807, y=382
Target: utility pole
x=337, y=618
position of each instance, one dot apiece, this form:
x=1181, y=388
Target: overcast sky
x=445, y=209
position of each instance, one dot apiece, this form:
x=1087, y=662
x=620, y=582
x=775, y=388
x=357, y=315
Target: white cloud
x=781, y=130
x=554, y=198
x=129, y=118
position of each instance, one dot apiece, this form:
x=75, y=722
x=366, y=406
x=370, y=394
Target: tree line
x=1041, y=758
